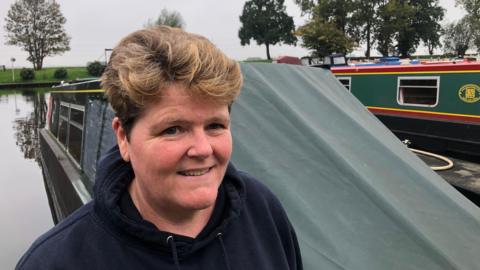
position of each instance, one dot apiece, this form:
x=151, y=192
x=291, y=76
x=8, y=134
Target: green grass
x=44, y=75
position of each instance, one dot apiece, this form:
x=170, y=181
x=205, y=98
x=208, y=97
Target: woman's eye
x=171, y=131
x=216, y=126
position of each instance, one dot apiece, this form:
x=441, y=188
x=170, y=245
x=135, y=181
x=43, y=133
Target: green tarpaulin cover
x=356, y=196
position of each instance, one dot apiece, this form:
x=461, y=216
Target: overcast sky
x=95, y=25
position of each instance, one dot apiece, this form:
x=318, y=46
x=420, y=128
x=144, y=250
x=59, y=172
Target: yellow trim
x=406, y=72
x=424, y=112
x=79, y=91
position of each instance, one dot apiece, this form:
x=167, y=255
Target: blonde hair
x=148, y=61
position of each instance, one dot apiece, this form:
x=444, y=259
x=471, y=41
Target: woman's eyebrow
x=169, y=121
x=219, y=119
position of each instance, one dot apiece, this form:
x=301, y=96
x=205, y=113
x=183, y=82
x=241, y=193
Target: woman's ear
x=122, y=139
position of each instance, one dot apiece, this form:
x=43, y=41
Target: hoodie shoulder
x=49, y=246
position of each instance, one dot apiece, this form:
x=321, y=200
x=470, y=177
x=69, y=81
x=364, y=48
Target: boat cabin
x=435, y=106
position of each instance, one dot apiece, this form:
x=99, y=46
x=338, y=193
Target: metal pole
x=13, y=71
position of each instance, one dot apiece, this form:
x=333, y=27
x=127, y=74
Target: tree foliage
x=395, y=26
x=405, y=31
x=95, y=68
x=169, y=18
x=385, y=29
x=324, y=38
x=60, y=73
x=428, y=15
x=27, y=74
x=364, y=20
x=267, y=22
x=37, y=26
x=472, y=7
x=403, y=24
x=329, y=29
x=458, y=37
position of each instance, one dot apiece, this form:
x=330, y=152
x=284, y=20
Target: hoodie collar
x=112, y=180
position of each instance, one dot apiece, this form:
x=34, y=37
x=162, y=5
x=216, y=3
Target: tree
x=406, y=33
x=408, y=22
x=427, y=23
x=306, y=5
x=324, y=38
x=458, y=37
x=267, y=22
x=472, y=7
x=364, y=20
x=385, y=29
x=169, y=18
x=37, y=27
x=329, y=29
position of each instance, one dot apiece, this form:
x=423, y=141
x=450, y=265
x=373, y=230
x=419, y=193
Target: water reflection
x=23, y=202
x=26, y=128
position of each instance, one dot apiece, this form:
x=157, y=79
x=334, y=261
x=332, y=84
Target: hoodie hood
x=113, y=178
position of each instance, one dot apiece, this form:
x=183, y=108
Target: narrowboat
x=434, y=106
x=77, y=133
x=352, y=190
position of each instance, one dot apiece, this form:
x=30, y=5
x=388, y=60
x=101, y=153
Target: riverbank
x=43, y=78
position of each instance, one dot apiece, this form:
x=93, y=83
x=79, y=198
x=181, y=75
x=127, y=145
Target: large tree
x=329, y=28
x=472, y=7
x=428, y=15
x=169, y=18
x=458, y=37
x=364, y=20
x=406, y=31
x=267, y=22
x=38, y=27
x=402, y=24
x=386, y=27
x=324, y=38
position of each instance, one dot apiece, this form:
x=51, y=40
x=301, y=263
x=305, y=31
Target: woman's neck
x=170, y=219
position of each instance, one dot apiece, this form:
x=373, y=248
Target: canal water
x=24, y=209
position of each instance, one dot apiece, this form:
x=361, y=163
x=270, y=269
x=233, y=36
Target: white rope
x=435, y=168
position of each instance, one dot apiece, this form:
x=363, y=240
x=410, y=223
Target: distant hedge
x=60, y=73
x=27, y=74
x=95, y=68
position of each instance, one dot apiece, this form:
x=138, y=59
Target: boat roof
x=433, y=67
x=357, y=197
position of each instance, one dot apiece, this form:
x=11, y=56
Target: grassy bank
x=44, y=75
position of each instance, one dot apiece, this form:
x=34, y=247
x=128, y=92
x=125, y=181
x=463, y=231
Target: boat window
x=76, y=116
x=345, y=81
x=62, y=132
x=70, y=128
x=54, y=118
x=64, y=110
x=75, y=142
x=418, y=91
x=339, y=61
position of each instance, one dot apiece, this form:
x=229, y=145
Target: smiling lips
x=195, y=172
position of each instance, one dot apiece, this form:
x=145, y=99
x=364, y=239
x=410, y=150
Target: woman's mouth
x=195, y=172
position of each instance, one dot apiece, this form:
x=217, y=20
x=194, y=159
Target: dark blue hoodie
x=248, y=230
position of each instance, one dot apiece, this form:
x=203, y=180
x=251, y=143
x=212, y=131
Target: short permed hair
x=148, y=61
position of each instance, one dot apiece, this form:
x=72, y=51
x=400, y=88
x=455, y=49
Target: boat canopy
x=357, y=197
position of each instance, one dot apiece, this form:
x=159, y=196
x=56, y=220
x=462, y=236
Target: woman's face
x=179, y=150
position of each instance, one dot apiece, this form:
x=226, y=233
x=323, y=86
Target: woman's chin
x=199, y=201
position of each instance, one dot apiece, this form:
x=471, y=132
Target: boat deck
x=464, y=176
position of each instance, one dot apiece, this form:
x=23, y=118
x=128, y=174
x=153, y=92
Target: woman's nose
x=201, y=146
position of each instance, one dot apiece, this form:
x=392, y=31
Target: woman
x=167, y=197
